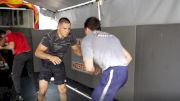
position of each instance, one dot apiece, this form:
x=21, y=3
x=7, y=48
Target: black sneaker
x=19, y=98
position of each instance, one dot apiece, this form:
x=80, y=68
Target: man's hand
x=55, y=60
x=97, y=71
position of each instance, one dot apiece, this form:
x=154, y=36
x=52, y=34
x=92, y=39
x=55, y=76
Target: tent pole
x=78, y=5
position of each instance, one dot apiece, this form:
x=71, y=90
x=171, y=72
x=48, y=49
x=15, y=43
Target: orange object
x=18, y=3
x=12, y=1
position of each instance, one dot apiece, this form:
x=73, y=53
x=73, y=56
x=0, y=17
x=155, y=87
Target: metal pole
x=99, y=10
x=13, y=8
x=78, y=5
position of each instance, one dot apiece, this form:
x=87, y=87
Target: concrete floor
x=29, y=93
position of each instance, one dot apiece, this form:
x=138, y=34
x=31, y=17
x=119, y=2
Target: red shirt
x=21, y=44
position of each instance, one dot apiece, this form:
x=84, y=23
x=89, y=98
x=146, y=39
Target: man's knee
x=42, y=92
x=43, y=86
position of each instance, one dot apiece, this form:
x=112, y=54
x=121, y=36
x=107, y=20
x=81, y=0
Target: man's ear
x=87, y=30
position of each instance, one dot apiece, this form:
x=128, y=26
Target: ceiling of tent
x=55, y=5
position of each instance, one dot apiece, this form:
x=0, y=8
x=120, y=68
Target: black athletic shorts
x=49, y=70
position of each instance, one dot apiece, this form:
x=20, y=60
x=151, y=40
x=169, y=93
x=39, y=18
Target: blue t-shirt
x=105, y=49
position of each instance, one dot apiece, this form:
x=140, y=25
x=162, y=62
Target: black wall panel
x=127, y=36
x=157, y=63
x=36, y=38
